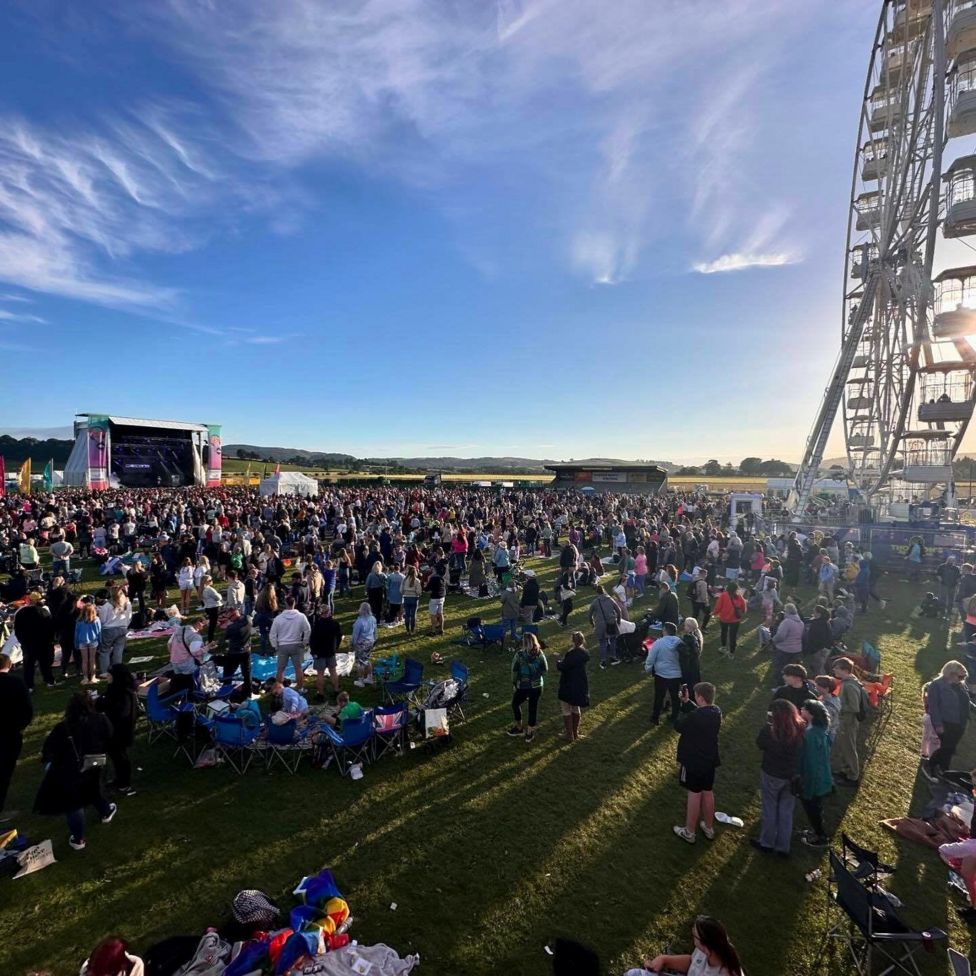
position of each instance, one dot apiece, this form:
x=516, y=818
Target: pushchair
x=630, y=647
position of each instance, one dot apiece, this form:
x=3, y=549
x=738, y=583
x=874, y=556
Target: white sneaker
x=709, y=832
x=113, y=809
x=369, y=680
x=76, y=845
x=883, y=604
x=684, y=834
x=359, y=684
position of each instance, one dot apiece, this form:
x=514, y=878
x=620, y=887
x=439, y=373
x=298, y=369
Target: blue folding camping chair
x=161, y=713
x=354, y=744
x=413, y=677
x=390, y=729
x=286, y=744
x=234, y=740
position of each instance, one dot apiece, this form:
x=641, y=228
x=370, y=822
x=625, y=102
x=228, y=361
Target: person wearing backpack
x=730, y=608
x=847, y=765
x=700, y=599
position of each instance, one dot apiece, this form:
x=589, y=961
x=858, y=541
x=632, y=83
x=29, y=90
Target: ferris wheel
x=903, y=381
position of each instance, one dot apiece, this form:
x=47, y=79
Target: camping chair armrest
x=929, y=935
x=180, y=696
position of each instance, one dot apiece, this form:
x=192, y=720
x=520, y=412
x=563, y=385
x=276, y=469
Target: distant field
x=236, y=466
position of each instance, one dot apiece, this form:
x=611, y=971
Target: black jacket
x=530, y=593
x=819, y=635
x=798, y=696
x=65, y=787
x=34, y=626
x=698, y=741
x=667, y=608
x=16, y=709
x=121, y=707
x=324, y=639
x=780, y=759
x=574, y=685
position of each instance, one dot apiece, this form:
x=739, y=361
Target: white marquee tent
x=289, y=483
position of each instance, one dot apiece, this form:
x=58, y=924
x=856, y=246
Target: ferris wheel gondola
x=903, y=381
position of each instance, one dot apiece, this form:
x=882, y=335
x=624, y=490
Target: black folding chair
x=864, y=864
x=874, y=929
x=960, y=964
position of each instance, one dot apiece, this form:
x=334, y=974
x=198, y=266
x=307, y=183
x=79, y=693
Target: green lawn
x=490, y=846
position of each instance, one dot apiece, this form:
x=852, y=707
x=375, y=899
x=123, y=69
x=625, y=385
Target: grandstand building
x=602, y=476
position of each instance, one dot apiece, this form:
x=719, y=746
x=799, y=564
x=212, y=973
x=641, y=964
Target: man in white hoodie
x=289, y=637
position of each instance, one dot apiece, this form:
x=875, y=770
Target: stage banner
x=214, y=462
x=98, y=448
x=25, y=476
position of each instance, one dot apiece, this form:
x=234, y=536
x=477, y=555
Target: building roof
x=161, y=424
x=597, y=465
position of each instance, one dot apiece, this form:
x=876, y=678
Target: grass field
x=491, y=846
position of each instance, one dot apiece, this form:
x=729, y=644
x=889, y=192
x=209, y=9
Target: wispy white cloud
x=741, y=261
x=6, y=316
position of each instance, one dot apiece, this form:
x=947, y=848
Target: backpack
x=210, y=959
x=862, y=709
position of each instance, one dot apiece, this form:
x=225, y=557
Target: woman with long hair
x=363, y=641
x=816, y=780
x=729, y=610
x=689, y=654
x=115, y=615
x=529, y=666
x=111, y=957
x=713, y=955
x=120, y=705
x=412, y=591
x=72, y=771
x=781, y=741
x=574, y=689
x=265, y=610
x=376, y=589
x=88, y=635
x=184, y=580
x=201, y=570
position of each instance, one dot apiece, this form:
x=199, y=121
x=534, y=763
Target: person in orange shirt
x=729, y=610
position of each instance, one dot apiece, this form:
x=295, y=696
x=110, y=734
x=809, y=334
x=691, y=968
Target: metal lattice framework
x=903, y=381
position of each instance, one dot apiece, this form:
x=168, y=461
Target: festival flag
x=49, y=475
x=25, y=475
x=3, y=477
x=277, y=469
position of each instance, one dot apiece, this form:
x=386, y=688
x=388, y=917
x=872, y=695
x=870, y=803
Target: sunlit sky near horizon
x=548, y=228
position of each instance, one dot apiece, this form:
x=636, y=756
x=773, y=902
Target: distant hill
x=323, y=459
x=15, y=451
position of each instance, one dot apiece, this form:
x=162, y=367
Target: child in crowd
x=826, y=688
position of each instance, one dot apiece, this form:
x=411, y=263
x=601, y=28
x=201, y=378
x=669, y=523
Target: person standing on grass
x=237, y=654
x=605, y=619
x=948, y=708
x=780, y=741
x=323, y=642
x=565, y=591
x=88, y=635
x=437, y=590
x=120, y=705
x=949, y=575
x=68, y=786
x=511, y=609
x=363, y=642
x=664, y=663
x=212, y=602
x=690, y=652
x=289, y=637
x=376, y=589
x=184, y=579
x=34, y=629
x=412, y=591
x=700, y=599
x=16, y=713
x=816, y=781
x=698, y=723
x=574, y=688
x=729, y=610
x=116, y=615
x=846, y=764
x=529, y=667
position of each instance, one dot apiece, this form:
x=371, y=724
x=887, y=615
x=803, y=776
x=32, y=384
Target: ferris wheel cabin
x=946, y=391
x=961, y=33
x=955, y=303
x=868, y=207
x=961, y=120
x=960, y=218
x=874, y=159
x=884, y=109
x=928, y=456
x=859, y=394
x=862, y=258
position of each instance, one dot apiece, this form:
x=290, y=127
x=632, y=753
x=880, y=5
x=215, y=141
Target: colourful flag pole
x=25, y=476
x=49, y=475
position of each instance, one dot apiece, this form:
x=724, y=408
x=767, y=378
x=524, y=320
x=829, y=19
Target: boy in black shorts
x=698, y=723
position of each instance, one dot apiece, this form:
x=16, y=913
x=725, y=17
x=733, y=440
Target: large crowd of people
x=651, y=574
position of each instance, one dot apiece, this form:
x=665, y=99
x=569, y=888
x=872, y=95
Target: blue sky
x=549, y=228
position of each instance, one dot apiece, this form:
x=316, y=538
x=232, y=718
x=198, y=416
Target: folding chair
x=390, y=729
x=161, y=713
x=864, y=864
x=192, y=728
x=286, y=744
x=386, y=668
x=530, y=629
x=461, y=674
x=354, y=744
x=413, y=676
x=234, y=740
x=960, y=964
x=493, y=634
x=874, y=928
